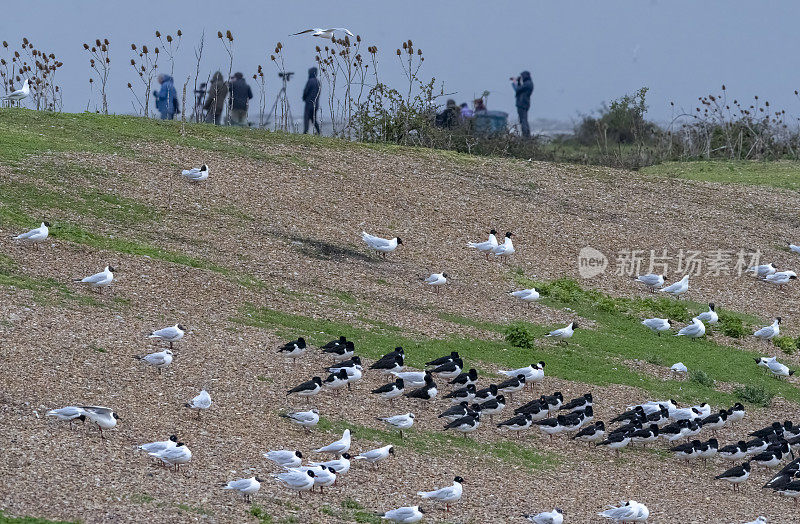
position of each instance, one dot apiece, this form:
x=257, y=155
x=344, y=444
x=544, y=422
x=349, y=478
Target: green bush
x=755, y=395
x=518, y=335
x=701, y=377
x=732, y=326
x=785, y=344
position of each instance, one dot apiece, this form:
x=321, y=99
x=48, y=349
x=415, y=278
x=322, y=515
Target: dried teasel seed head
x=133, y=62
x=179, y=33
x=144, y=49
x=272, y=57
x=129, y=85
x=108, y=60
x=158, y=34
x=94, y=49
x=104, y=48
x=91, y=80
x=105, y=41
x=219, y=34
x=133, y=47
x=156, y=50
x=419, y=52
x=169, y=39
x=229, y=35
x=398, y=52
x=5, y=44
x=86, y=46
x=405, y=45
x=25, y=41
x=97, y=42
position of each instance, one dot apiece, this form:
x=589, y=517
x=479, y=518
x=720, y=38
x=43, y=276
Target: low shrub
x=786, y=344
x=757, y=395
x=701, y=377
x=732, y=326
x=519, y=336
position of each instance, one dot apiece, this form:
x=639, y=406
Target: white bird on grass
x=447, y=494
x=247, y=487
x=99, y=280
x=400, y=422
x=201, y=402
x=68, y=413
x=563, y=334
x=679, y=368
x=35, y=235
x=325, y=33
x=657, y=325
x=487, y=246
x=526, y=295
x=340, y=446
x=779, y=370
x=710, y=316
x=19, y=94
x=693, y=331
x=376, y=455
x=678, y=288
x=169, y=334
x=548, y=517
x=768, y=332
x=404, y=515
x=196, y=174
x=307, y=419
x=630, y=511
x=651, y=280
x=381, y=245
x=159, y=360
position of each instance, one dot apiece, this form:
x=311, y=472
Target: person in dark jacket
x=215, y=99
x=450, y=116
x=166, y=98
x=523, y=89
x=311, y=94
x=239, y=100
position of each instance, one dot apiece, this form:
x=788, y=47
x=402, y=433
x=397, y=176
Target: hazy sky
x=580, y=52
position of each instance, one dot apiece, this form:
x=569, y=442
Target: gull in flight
x=169, y=334
x=105, y=418
x=651, y=280
x=247, y=487
x=678, y=288
x=35, y=235
x=404, y=515
x=630, y=511
x=159, y=360
x=486, y=247
x=447, y=494
x=381, y=245
x=694, y=330
x=526, y=295
x=547, y=517
x=325, y=33
x=201, y=402
x=19, y=94
x=196, y=174
x=768, y=332
x=436, y=279
x=69, y=413
x=99, y=280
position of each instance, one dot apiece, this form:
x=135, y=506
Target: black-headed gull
x=285, y=457
x=563, y=334
x=99, y=280
x=306, y=419
x=376, y=455
x=247, y=487
x=630, y=511
x=779, y=370
x=768, y=332
x=201, y=402
x=533, y=373
x=296, y=480
x=657, y=325
x=19, y=94
x=781, y=278
x=35, y=235
x=338, y=447
x=710, y=316
x=340, y=465
x=68, y=413
x=155, y=447
x=759, y=520
x=526, y=295
x=487, y=246
x=412, y=379
x=448, y=494
x=170, y=334
x=505, y=249
x=105, y=418
x=436, y=279
x=196, y=174
x=679, y=368
x=399, y=422
x=678, y=288
x=547, y=517
x=175, y=456
x=692, y=331
x=651, y=280
x=736, y=475
x=404, y=515
x=329, y=33
x=763, y=270
x=794, y=248
x=381, y=245
x=159, y=360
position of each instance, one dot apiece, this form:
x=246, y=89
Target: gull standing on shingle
x=630, y=511
x=526, y=295
x=436, y=279
x=338, y=447
x=506, y=249
x=548, y=517
x=763, y=270
x=201, y=402
x=285, y=457
x=486, y=247
x=448, y=494
x=175, y=456
x=652, y=281
x=404, y=515
x=247, y=487
x=159, y=360
x=376, y=455
x=68, y=413
x=98, y=280
x=381, y=245
x=105, y=418
x=35, y=236
x=169, y=334
x=307, y=419
x=296, y=480
x=400, y=422
x=196, y=174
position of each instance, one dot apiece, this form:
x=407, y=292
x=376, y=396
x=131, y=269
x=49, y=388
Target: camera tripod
x=287, y=121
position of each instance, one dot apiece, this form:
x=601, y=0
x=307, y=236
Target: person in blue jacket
x=166, y=98
x=523, y=89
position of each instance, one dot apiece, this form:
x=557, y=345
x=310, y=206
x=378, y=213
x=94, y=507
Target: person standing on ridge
x=239, y=100
x=166, y=98
x=311, y=94
x=215, y=99
x=523, y=89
